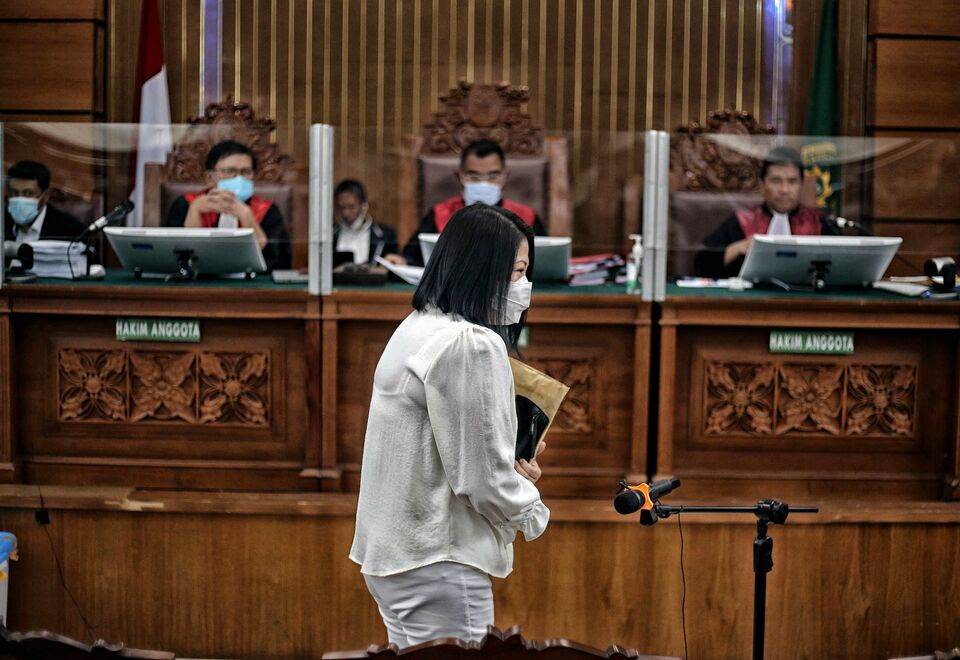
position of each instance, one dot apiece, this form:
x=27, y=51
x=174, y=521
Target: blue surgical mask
x=240, y=186
x=481, y=191
x=24, y=210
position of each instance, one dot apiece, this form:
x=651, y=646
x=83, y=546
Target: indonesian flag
x=151, y=105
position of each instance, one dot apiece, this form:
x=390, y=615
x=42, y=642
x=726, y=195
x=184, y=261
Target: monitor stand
x=186, y=272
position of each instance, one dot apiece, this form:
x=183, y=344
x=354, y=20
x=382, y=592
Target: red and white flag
x=151, y=104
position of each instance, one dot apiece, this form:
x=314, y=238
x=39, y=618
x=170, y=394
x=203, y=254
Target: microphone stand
x=767, y=512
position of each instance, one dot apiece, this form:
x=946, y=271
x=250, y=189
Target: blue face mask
x=23, y=210
x=482, y=191
x=240, y=186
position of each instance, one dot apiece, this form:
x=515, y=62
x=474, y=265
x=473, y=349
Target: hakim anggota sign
x=158, y=329
x=830, y=342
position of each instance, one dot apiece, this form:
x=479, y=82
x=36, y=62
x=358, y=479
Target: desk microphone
x=642, y=497
x=22, y=252
x=123, y=208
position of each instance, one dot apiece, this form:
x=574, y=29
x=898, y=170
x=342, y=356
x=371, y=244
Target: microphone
x=19, y=251
x=642, y=497
x=842, y=223
x=123, y=208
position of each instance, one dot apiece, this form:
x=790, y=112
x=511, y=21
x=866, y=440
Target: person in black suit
x=355, y=230
x=28, y=217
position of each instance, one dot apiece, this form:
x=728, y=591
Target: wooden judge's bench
x=202, y=494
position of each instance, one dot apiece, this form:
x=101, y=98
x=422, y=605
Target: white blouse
x=438, y=481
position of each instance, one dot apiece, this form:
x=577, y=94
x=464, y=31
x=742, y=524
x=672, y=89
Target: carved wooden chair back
x=708, y=182
x=472, y=111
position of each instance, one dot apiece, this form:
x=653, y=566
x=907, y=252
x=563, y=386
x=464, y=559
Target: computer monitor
x=552, y=261
x=206, y=251
x=842, y=261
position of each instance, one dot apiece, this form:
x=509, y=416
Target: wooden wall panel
x=281, y=586
x=375, y=68
x=918, y=180
x=921, y=240
x=915, y=17
x=52, y=9
x=915, y=84
x=51, y=67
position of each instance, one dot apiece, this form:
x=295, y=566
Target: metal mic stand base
x=767, y=512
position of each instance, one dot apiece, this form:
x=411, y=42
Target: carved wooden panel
x=880, y=399
x=474, y=111
x=705, y=165
x=575, y=414
x=780, y=399
x=230, y=120
x=93, y=385
x=193, y=387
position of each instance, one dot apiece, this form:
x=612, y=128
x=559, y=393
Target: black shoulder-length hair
x=470, y=269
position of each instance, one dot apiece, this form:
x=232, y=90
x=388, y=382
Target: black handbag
x=538, y=398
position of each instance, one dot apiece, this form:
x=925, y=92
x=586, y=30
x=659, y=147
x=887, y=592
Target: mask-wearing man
x=355, y=232
x=229, y=202
x=781, y=214
x=482, y=176
x=27, y=216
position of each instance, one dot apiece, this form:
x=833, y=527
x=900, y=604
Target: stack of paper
x=60, y=259
x=595, y=269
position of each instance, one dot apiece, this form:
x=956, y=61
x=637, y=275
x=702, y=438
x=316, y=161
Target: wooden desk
x=595, y=341
x=275, y=395
x=738, y=420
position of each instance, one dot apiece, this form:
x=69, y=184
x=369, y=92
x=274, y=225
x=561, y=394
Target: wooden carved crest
x=706, y=165
x=230, y=120
x=475, y=111
x=502, y=644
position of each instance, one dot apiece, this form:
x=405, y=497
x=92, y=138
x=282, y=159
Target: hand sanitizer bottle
x=635, y=265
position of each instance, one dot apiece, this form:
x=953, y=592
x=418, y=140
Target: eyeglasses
x=230, y=172
x=480, y=177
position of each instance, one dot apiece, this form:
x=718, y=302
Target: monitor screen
x=159, y=250
x=846, y=260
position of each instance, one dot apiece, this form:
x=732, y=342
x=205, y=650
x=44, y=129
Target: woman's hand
x=530, y=469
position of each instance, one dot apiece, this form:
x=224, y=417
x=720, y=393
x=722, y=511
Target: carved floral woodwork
x=574, y=415
x=234, y=387
x=742, y=396
x=93, y=385
x=474, y=111
x=701, y=164
x=810, y=399
x=162, y=386
x=229, y=120
x=779, y=399
x=881, y=400
x=192, y=387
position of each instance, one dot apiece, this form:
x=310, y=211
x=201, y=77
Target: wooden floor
x=247, y=576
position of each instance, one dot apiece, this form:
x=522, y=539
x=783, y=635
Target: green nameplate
x=144, y=329
x=831, y=342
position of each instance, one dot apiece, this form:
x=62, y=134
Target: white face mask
x=516, y=301
x=481, y=191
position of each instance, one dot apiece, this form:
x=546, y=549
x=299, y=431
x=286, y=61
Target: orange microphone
x=642, y=497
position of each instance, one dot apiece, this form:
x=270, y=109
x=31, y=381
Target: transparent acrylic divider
x=162, y=168
x=887, y=186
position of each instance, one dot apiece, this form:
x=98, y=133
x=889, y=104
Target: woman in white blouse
x=441, y=497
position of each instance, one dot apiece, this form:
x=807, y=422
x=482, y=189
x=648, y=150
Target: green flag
x=820, y=157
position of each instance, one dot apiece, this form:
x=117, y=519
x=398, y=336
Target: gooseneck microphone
x=642, y=496
x=123, y=208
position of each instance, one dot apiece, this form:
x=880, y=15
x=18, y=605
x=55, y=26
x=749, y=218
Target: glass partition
x=227, y=203
x=585, y=186
x=883, y=186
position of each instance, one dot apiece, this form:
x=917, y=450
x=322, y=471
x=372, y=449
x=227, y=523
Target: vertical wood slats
x=594, y=67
